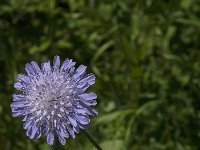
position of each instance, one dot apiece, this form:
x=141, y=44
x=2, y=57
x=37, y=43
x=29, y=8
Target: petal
x=18, y=86
x=71, y=132
x=83, y=119
x=63, y=132
x=17, y=104
x=90, y=79
x=72, y=121
x=45, y=128
x=56, y=63
x=17, y=112
x=83, y=88
x=64, y=65
x=83, y=126
x=24, y=79
x=67, y=64
x=18, y=97
x=76, y=129
x=29, y=69
x=72, y=69
x=25, y=118
x=36, y=68
x=88, y=96
x=46, y=67
x=86, y=82
x=62, y=140
x=27, y=124
x=91, y=112
x=38, y=133
x=79, y=71
x=80, y=111
x=90, y=102
x=50, y=138
x=32, y=131
x=60, y=136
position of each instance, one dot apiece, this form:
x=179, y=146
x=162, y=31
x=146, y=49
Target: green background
x=145, y=55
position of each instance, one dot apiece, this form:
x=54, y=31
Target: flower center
x=51, y=95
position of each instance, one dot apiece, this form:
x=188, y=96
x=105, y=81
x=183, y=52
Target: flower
x=53, y=99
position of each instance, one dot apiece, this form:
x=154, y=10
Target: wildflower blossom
x=53, y=99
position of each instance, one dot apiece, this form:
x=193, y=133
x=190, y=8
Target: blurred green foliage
x=145, y=54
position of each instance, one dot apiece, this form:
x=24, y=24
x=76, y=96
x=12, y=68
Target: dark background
x=144, y=53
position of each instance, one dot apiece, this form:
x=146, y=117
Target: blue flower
x=53, y=99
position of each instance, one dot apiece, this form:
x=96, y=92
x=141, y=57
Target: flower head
x=53, y=99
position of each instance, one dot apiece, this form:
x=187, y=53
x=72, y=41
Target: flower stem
x=92, y=140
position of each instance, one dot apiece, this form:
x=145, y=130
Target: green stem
x=92, y=140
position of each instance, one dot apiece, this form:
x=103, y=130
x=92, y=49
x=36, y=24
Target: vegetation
x=144, y=53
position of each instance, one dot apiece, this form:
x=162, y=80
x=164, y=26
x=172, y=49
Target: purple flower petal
x=18, y=112
x=72, y=121
x=24, y=79
x=32, y=131
x=18, y=86
x=27, y=124
x=38, y=133
x=83, y=126
x=86, y=82
x=76, y=129
x=83, y=119
x=63, y=132
x=17, y=104
x=80, y=111
x=88, y=96
x=56, y=63
x=64, y=65
x=36, y=68
x=90, y=102
x=90, y=79
x=46, y=67
x=71, y=70
x=71, y=132
x=29, y=69
x=79, y=71
x=50, y=138
x=91, y=112
x=18, y=97
x=61, y=137
x=67, y=64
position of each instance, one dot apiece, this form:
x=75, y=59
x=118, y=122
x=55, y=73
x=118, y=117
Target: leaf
x=116, y=144
x=41, y=48
x=113, y=116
